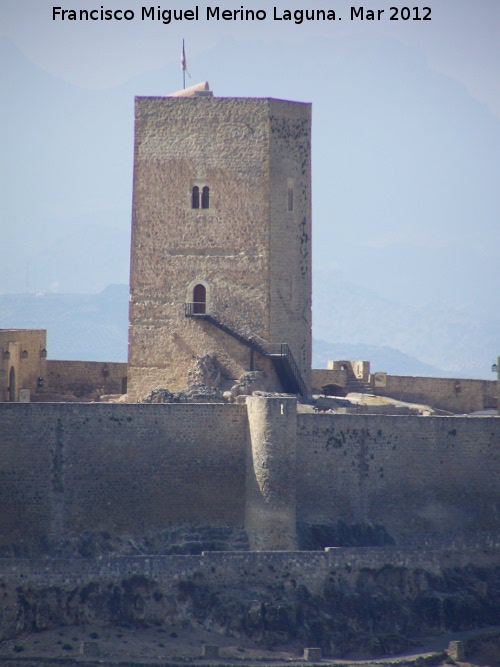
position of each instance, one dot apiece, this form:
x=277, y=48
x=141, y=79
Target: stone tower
x=221, y=240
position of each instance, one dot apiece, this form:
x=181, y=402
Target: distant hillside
x=454, y=338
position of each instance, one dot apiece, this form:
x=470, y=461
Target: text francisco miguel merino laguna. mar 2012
x=216, y=13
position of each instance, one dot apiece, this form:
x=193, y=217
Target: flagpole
x=184, y=66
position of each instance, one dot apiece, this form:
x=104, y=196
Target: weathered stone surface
x=250, y=248
x=21, y=361
x=456, y=650
x=132, y=469
x=270, y=519
x=250, y=382
x=312, y=654
x=346, y=610
x=205, y=371
x=196, y=393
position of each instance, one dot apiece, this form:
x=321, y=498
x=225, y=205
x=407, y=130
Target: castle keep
x=221, y=265
x=221, y=229
x=195, y=513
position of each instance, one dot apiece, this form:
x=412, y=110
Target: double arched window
x=200, y=197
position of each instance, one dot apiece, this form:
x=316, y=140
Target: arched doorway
x=12, y=384
x=199, y=299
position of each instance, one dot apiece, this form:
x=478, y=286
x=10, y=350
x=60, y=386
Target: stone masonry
x=221, y=208
x=22, y=362
x=139, y=470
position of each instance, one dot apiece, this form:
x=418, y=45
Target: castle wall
x=420, y=479
x=454, y=395
x=225, y=569
x=460, y=396
x=321, y=377
x=125, y=469
x=134, y=468
x=86, y=378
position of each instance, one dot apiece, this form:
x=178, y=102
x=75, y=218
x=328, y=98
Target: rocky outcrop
x=248, y=383
x=204, y=381
x=205, y=371
x=196, y=393
x=350, y=612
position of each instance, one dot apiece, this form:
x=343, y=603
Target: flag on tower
x=184, y=66
x=183, y=58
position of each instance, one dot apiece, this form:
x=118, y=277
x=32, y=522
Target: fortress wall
x=26, y=477
x=320, y=377
x=422, y=479
x=455, y=395
x=344, y=601
x=451, y=394
x=84, y=378
x=127, y=469
x=136, y=468
x=231, y=568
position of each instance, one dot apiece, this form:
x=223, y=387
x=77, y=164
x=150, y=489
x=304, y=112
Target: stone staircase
x=355, y=386
x=280, y=354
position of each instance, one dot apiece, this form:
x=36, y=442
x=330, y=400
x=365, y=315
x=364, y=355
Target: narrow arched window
x=195, y=197
x=199, y=299
x=205, y=197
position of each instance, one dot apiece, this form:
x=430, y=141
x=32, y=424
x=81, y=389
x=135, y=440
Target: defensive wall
x=456, y=395
x=27, y=375
x=87, y=378
x=310, y=568
x=452, y=394
x=136, y=469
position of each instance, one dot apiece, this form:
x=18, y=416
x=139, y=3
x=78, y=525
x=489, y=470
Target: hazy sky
x=408, y=109
x=460, y=41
